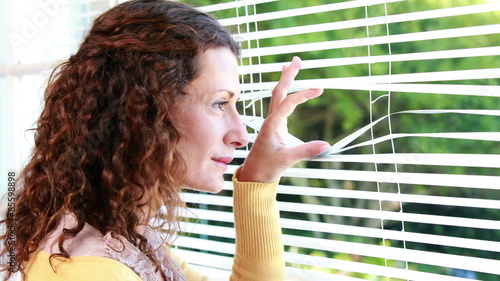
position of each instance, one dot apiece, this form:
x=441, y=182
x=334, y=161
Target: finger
x=289, y=104
x=289, y=72
x=307, y=150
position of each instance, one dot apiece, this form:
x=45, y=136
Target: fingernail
x=296, y=59
x=313, y=93
x=323, y=148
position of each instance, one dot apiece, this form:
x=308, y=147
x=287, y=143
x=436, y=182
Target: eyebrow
x=231, y=93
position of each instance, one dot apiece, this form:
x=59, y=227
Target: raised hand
x=270, y=155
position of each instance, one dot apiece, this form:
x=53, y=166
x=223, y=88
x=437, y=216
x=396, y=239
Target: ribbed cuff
x=258, y=232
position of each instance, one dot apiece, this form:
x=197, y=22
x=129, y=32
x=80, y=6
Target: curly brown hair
x=105, y=145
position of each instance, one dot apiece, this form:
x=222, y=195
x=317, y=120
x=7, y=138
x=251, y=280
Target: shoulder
x=88, y=242
x=93, y=256
x=77, y=269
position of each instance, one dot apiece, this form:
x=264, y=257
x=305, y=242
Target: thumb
x=307, y=150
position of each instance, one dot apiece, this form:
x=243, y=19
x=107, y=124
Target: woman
x=146, y=107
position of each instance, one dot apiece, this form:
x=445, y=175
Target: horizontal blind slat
x=388, y=215
x=332, y=83
x=372, y=214
x=302, y=11
x=420, y=56
x=360, y=194
x=380, y=270
x=298, y=274
x=390, y=19
x=215, y=274
x=453, y=180
x=440, y=89
x=214, y=261
x=386, y=196
x=367, y=41
x=207, y=229
x=231, y=5
x=439, y=159
x=205, y=245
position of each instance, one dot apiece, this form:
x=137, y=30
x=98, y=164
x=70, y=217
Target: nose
x=237, y=134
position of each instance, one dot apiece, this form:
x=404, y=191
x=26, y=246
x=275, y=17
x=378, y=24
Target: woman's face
x=208, y=121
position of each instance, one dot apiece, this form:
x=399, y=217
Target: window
x=411, y=190
x=34, y=39
x=411, y=106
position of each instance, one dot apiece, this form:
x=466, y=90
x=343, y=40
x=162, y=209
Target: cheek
x=202, y=128
x=196, y=130
x=200, y=131
x=197, y=137
x=187, y=123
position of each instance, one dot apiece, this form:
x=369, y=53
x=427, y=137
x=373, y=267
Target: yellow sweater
x=259, y=249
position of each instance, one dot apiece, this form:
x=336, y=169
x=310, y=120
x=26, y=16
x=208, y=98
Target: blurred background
x=414, y=196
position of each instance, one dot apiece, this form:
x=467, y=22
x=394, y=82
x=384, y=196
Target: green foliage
x=338, y=113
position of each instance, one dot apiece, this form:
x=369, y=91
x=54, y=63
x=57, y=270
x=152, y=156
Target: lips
x=223, y=161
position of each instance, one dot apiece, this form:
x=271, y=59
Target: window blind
x=410, y=189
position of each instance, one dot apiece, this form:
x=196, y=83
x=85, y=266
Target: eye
x=221, y=105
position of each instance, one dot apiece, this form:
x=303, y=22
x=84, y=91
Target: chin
x=212, y=188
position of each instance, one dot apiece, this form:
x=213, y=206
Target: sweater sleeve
x=259, y=246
